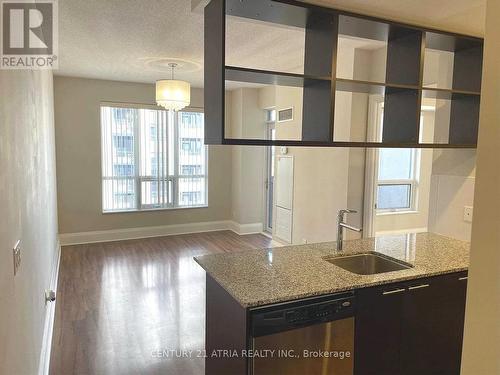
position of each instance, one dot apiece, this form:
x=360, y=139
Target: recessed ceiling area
x=130, y=40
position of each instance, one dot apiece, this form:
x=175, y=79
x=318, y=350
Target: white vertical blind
x=191, y=159
x=152, y=159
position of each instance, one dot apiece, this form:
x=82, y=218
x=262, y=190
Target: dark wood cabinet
x=378, y=330
x=414, y=327
x=406, y=85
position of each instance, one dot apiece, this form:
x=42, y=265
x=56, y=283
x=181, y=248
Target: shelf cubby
x=404, y=50
x=361, y=49
x=452, y=62
x=401, y=120
x=307, y=97
x=370, y=112
x=449, y=117
x=355, y=101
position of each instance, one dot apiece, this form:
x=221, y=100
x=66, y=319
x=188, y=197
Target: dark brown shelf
x=402, y=87
x=268, y=11
x=367, y=87
x=450, y=42
x=363, y=28
x=292, y=143
x=268, y=77
x=437, y=93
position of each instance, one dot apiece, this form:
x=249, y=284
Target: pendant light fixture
x=172, y=94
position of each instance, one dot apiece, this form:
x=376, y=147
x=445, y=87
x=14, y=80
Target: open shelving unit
x=403, y=88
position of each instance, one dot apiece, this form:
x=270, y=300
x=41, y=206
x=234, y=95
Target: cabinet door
x=433, y=320
x=378, y=330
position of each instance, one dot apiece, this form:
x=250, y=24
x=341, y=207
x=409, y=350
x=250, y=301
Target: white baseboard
x=44, y=364
x=277, y=242
x=157, y=231
x=241, y=229
x=401, y=231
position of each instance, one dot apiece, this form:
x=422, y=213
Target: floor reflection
x=134, y=307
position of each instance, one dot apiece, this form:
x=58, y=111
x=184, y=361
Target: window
x=191, y=146
x=152, y=159
x=397, y=179
x=191, y=169
x=124, y=144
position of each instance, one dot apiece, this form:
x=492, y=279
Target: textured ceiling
x=461, y=16
x=132, y=40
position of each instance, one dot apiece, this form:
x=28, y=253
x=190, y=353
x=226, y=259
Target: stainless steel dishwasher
x=308, y=337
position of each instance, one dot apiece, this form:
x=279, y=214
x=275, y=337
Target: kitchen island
x=240, y=286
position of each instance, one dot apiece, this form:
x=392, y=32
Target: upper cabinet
x=289, y=73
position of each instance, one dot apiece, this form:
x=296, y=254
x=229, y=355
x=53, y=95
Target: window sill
x=389, y=213
x=153, y=210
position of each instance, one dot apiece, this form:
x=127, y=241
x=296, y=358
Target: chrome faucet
x=341, y=225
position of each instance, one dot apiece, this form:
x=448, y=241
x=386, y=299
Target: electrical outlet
x=468, y=210
x=16, y=255
x=304, y=241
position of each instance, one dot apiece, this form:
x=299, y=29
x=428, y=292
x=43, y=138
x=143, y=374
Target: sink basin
x=368, y=263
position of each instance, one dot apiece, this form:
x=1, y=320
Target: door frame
x=269, y=182
x=371, y=171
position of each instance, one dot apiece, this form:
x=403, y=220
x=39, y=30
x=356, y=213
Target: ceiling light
x=172, y=94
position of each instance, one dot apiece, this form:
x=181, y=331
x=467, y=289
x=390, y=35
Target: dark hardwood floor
x=122, y=306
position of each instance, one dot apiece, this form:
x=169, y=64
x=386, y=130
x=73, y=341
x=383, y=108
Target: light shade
x=173, y=95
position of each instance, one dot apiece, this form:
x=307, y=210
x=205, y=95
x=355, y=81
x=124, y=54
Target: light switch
x=468, y=214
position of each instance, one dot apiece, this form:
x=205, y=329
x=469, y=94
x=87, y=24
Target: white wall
x=320, y=174
x=78, y=144
x=482, y=330
x=245, y=119
x=453, y=171
x=452, y=188
x=29, y=214
x=320, y=178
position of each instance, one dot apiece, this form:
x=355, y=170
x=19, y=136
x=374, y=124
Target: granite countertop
x=261, y=277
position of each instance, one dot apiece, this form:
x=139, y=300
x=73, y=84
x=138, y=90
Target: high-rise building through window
x=152, y=159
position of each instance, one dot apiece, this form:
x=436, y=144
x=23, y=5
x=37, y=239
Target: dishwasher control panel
x=283, y=317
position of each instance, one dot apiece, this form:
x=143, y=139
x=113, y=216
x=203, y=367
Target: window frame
x=137, y=178
x=413, y=182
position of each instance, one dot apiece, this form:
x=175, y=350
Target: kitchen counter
x=260, y=277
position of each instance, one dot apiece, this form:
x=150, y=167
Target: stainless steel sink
x=368, y=263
